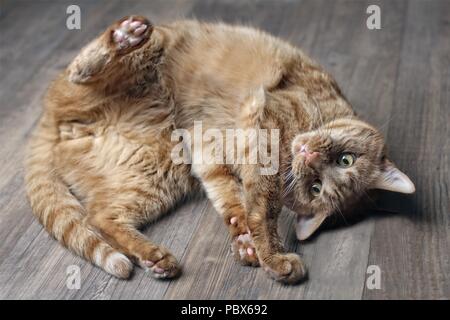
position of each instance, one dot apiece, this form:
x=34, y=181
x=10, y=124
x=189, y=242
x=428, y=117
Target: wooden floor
x=398, y=78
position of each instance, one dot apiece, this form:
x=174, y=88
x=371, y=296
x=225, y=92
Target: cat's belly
x=96, y=163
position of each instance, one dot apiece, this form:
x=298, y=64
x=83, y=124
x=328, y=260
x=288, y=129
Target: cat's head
x=334, y=166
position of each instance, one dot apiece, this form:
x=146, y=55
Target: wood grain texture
x=412, y=248
x=398, y=78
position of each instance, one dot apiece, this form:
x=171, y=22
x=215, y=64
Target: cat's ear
x=392, y=179
x=307, y=225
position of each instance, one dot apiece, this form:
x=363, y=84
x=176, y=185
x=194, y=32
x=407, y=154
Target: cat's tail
x=60, y=212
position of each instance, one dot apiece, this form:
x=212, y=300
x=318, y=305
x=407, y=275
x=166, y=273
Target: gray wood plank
x=412, y=248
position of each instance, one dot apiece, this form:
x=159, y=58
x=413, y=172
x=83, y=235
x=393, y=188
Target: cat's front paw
x=244, y=251
x=131, y=32
x=286, y=268
x=242, y=246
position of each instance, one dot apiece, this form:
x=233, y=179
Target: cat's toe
x=244, y=251
x=237, y=225
x=131, y=32
x=165, y=267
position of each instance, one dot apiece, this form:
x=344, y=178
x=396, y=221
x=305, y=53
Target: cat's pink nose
x=310, y=157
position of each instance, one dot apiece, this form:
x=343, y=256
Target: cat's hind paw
x=161, y=265
x=131, y=32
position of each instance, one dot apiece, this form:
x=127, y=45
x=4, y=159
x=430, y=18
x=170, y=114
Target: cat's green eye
x=316, y=187
x=346, y=160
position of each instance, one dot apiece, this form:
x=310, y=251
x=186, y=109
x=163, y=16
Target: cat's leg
x=264, y=204
x=126, y=201
x=118, y=214
x=224, y=190
x=100, y=57
x=119, y=203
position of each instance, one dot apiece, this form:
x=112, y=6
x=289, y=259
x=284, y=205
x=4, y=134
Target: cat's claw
x=131, y=32
x=69, y=131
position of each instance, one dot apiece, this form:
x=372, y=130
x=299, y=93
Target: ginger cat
x=99, y=164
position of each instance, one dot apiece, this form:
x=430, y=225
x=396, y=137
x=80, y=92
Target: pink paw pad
x=245, y=245
x=244, y=238
x=233, y=220
x=159, y=270
x=156, y=271
x=148, y=263
x=129, y=34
